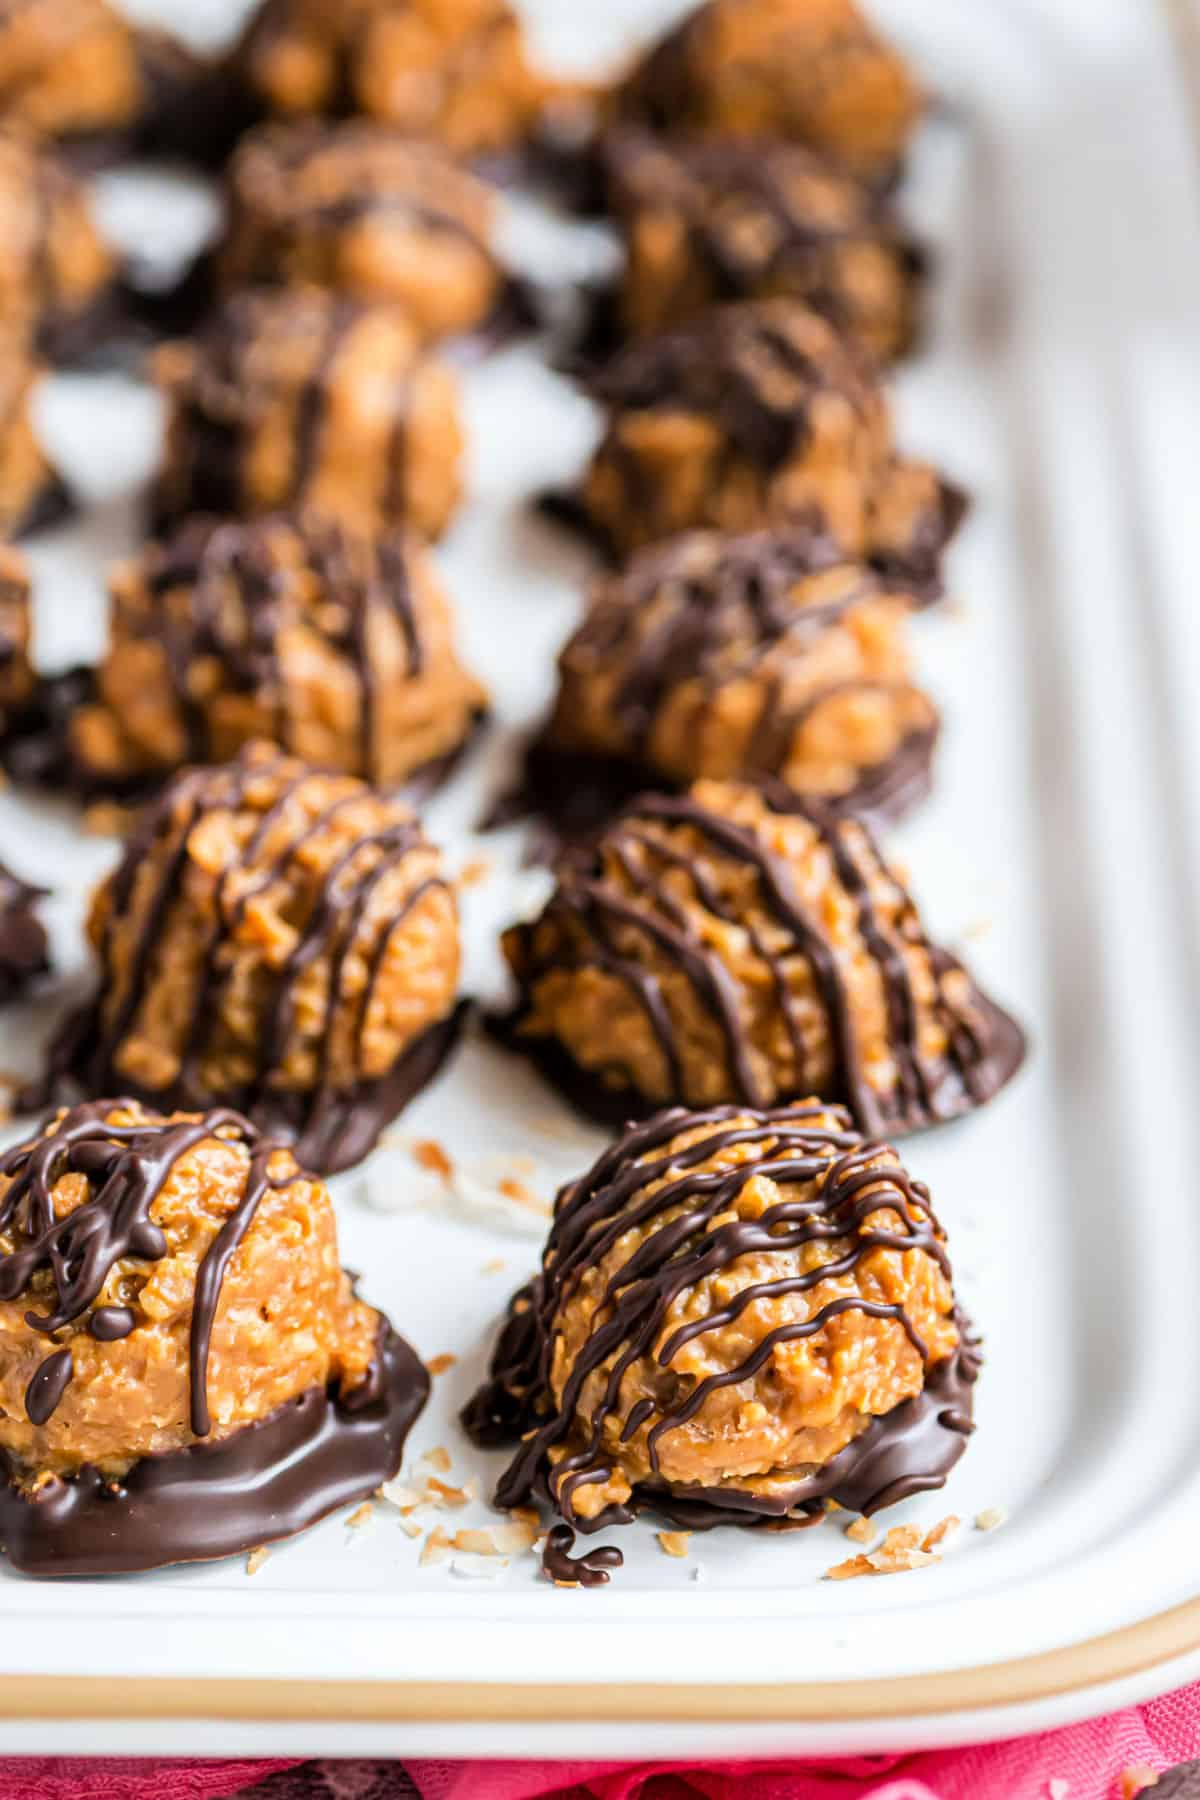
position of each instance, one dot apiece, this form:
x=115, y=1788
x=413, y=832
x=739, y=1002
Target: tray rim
x=1070, y=1669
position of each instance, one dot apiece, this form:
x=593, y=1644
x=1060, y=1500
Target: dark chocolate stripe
x=126, y=1167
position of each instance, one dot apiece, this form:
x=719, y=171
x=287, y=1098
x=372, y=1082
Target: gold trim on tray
x=1110, y=1657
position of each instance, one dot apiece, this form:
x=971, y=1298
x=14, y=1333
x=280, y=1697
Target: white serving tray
x=1062, y=383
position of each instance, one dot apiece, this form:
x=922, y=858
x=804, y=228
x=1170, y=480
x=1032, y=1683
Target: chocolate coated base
x=918, y=570
x=909, y=1450
x=616, y=1106
x=328, y=1130
x=573, y=795
x=266, y=1481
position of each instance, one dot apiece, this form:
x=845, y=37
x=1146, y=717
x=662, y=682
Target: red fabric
x=1082, y=1762
x=127, y=1778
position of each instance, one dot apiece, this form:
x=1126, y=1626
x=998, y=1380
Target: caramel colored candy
x=754, y=415
x=807, y=71
x=357, y=208
x=708, y=222
x=276, y=938
x=454, y=71
x=740, y=945
x=336, y=646
x=739, y=1314
x=302, y=399
x=185, y=1369
x=747, y=656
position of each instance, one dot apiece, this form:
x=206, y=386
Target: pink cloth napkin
x=1081, y=1762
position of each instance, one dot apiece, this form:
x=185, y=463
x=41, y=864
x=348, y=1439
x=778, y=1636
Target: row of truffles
x=458, y=71
x=185, y=1368
x=454, y=71
x=745, y=1309
x=740, y=1316
x=745, y=1312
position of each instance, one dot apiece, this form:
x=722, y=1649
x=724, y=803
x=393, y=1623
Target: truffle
x=451, y=70
x=807, y=71
x=78, y=73
x=739, y=944
x=769, y=654
x=32, y=494
x=276, y=938
x=739, y=1315
x=336, y=646
x=357, y=208
x=754, y=415
x=703, y=223
x=57, y=277
x=299, y=398
x=68, y=68
x=24, y=951
x=185, y=1369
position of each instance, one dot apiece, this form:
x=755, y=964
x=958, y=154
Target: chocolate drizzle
x=267, y=1480
x=308, y=176
x=626, y=928
x=47, y=1386
x=244, y=584
x=651, y=1183
x=744, y=366
x=127, y=1167
x=589, y=1570
x=332, y=1125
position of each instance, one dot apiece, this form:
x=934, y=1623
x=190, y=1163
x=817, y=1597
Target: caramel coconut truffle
x=56, y=275
x=806, y=71
x=451, y=70
x=742, y=945
x=299, y=398
x=31, y=492
x=24, y=949
x=357, y=208
x=754, y=415
x=275, y=938
x=705, y=223
x=764, y=655
x=739, y=1316
x=68, y=68
x=185, y=1370
x=79, y=73
x=336, y=646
